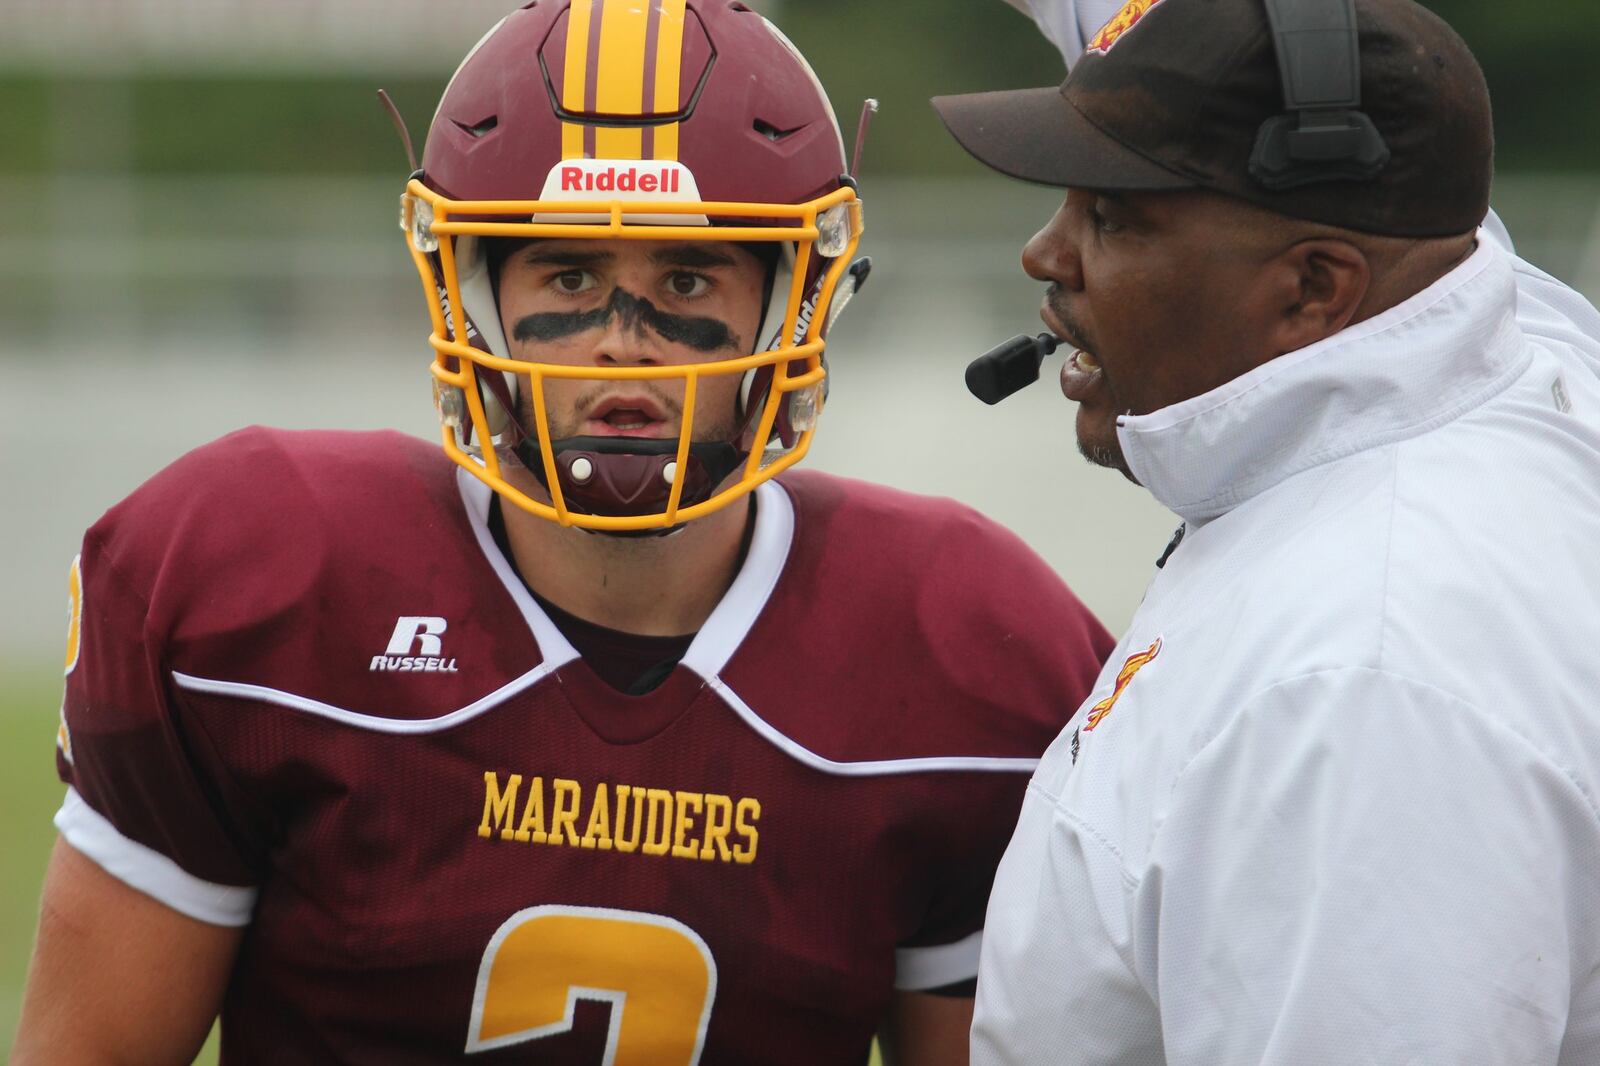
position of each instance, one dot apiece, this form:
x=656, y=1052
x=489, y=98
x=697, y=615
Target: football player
x=591, y=740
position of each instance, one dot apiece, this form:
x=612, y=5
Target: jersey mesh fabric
x=254, y=702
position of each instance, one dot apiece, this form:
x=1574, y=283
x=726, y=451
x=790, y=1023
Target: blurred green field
x=30, y=700
x=30, y=697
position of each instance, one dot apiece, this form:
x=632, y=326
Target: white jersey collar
x=747, y=597
x=1418, y=365
x=554, y=647
x=728, y=624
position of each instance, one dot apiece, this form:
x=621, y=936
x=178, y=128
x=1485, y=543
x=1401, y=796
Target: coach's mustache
x=635, y=314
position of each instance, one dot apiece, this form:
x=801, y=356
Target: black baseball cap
x=1173, y=94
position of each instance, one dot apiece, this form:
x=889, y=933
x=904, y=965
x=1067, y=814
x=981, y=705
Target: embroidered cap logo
x=1123, y=21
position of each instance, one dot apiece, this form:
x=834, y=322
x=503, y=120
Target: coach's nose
x=1052, y=253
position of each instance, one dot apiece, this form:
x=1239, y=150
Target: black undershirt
x=629, y=662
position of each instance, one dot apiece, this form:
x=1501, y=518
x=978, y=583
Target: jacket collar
x=1416, y=366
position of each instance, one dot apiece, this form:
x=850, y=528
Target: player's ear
x=1318, y=284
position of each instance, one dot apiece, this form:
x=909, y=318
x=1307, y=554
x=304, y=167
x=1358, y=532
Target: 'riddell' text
x=618, y=179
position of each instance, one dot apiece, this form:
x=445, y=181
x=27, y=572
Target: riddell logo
x=619, y=179
x=419, y=633
x=628, y=180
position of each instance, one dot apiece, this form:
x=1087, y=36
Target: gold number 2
x=656, y=972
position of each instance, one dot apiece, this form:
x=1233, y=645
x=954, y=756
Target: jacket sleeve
x=1362, y=868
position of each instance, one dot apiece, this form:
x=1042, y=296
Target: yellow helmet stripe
x=622, y=58
x=661, y=142
x=574, y=83
x=618, y=87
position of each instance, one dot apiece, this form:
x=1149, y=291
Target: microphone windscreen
x=1008, y=367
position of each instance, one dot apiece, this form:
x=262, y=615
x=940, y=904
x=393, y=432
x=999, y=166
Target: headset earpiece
x=1325, y=136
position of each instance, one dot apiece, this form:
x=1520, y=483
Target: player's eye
x=573, y=281
x=686, y=284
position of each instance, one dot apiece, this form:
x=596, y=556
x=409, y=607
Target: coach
x=1333, y=799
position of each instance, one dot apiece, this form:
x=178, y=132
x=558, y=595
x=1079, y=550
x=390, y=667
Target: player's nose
x=626, y=338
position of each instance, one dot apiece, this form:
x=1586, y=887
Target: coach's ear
x=1316, y=287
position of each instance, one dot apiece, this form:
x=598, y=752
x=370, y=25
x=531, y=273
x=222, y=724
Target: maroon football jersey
x=311, y=697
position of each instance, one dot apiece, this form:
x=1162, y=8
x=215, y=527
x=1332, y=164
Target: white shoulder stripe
x=243, y=691
x=934, y=967
x=736, y=615
x=867, y=768
x=149, y=871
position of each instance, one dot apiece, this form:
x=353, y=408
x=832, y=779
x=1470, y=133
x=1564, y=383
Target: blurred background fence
x=197, y=232
x=197, y=204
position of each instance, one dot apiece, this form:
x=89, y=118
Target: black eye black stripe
x=636, y=314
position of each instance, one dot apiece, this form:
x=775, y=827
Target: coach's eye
x=687, y=284
x=1098, y=219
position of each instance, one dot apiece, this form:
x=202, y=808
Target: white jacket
x=1338, y=801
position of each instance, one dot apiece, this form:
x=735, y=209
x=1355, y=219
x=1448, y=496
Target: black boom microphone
x=1008, y=368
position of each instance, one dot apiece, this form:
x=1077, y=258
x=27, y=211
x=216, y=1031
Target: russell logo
x=415, y=647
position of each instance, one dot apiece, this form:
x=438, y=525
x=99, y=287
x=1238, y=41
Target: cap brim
x=1038, y=136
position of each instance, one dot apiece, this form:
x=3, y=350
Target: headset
x=1322, y=136
x=1325, y=136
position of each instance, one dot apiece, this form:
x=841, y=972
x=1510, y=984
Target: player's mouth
x=626, y=416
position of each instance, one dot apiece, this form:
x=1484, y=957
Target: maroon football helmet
x=645, y=119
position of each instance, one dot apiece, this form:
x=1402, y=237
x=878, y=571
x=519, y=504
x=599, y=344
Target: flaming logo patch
x=1123, y=21
x=1135, y=663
